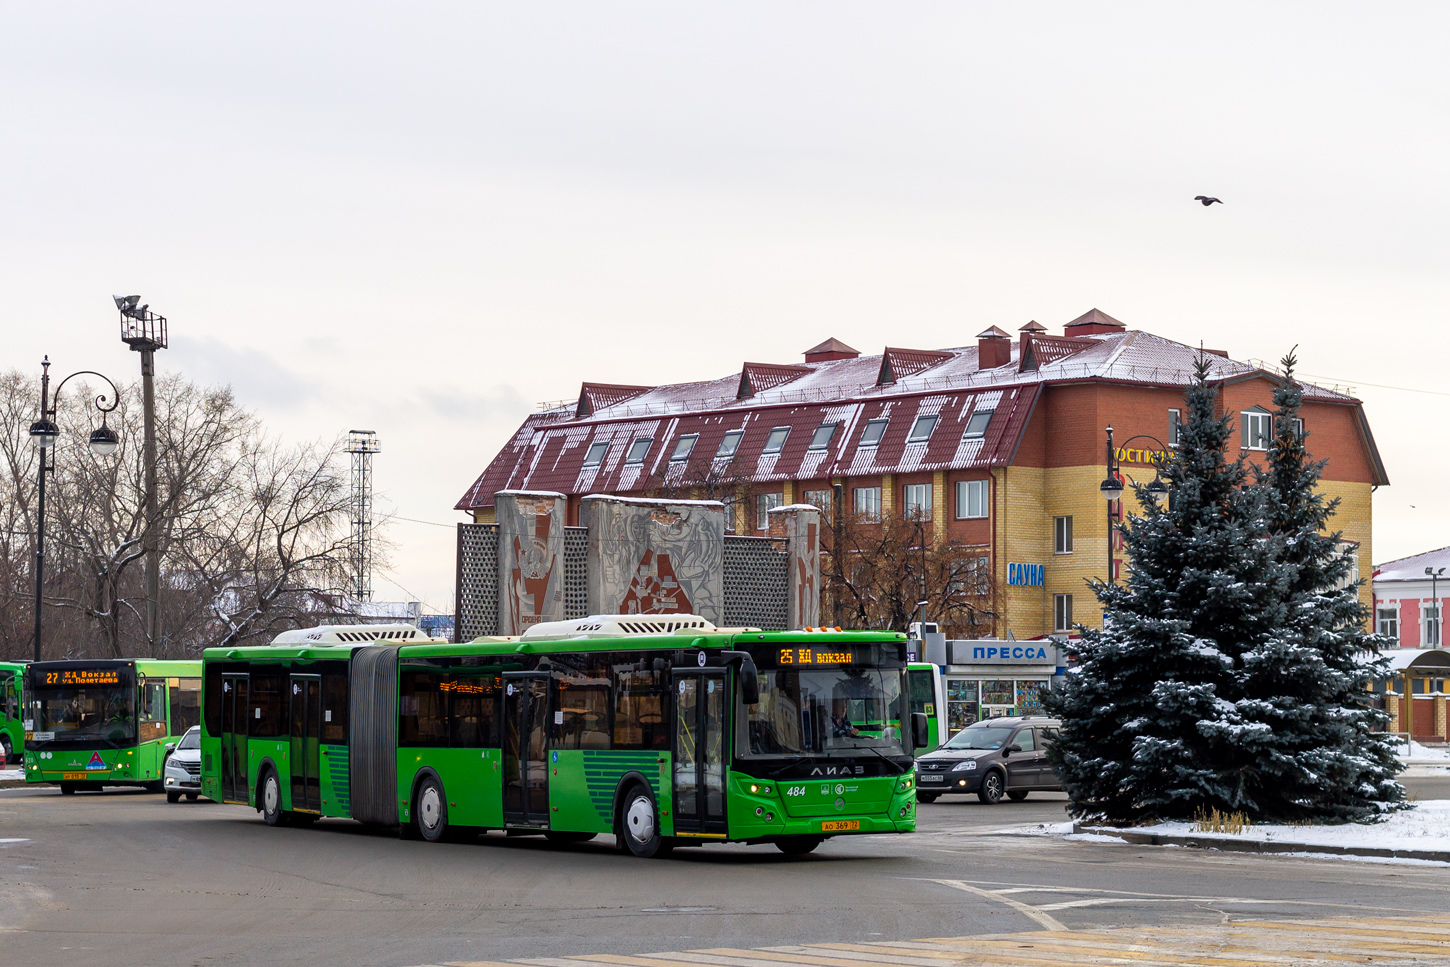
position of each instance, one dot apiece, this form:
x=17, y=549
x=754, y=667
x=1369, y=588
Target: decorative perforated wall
x=477, y=580
x=757, y=582
x=576, y=594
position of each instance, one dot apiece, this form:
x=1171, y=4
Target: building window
x=1430, y=621
x=918, y=501
x=1175, y=427
x=971, y=499
x=875, y=430
x=819, y=498
x=823, y=436
x=1298, y=429
x=684, y=446
x=764, y=504
x=638, y=450
x=921, y=429
x=596, y=453
x=1062, y=535
x=1256, y=428
x=867, y=502
x=776, y=441
x=730, y=443
x=977, y=424
x=1389, y=623
x=1062, y=612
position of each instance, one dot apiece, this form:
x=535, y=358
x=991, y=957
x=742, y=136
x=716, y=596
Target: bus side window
x=268, y=701
x=185, y=703
x=422, y=714
x=334, y=706
x=7, y=693
x=153, y=711
x=474, y=713
x=639, y=709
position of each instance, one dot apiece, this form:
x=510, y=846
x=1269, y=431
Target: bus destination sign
x=84, y=676
x=815, y=656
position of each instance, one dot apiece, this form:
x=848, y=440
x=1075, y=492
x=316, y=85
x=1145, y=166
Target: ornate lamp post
x=44, y=433
x=1112, y=486
x=145, y=332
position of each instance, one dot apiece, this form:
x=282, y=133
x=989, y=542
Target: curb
x=1254, y=846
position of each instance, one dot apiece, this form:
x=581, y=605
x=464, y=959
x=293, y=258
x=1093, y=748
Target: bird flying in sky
x=1207, y=200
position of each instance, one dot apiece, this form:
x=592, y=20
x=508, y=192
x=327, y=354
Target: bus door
x=306, y=738
x=699, y=793
x=526, y=749
x=234, y=738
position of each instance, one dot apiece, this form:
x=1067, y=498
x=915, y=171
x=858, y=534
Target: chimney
x=994, y=348
x=1091, y=323
x=830, y=349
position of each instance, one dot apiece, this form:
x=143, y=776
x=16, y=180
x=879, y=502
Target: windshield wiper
x=869, y=748
x=808, y=760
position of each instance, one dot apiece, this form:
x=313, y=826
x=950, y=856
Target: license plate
x=68, y=776
x=840, y=825
x=931, y=778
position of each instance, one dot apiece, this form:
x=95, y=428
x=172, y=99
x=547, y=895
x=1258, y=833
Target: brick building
x=1407, y=602
x=1000, y=444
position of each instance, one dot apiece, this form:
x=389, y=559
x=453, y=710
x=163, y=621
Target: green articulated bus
x=660, y=729
x=12, y=700
x=107, y=723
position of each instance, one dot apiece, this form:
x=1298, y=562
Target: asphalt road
x=122, y=878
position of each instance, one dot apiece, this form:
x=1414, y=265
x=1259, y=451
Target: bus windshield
x=827, y=711
x=89, y=715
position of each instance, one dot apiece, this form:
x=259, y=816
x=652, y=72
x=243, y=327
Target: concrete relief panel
x=530, y=559
x=801, y=526
x=655, y=556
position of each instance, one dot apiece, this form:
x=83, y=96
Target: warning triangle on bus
x=96, y=761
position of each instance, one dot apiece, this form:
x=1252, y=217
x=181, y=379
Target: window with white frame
x=820, y=499
x=823, y=436
x=971, y=499
x=595, y=455
x=638, y=450
x=1389, y=623
x=977, y=424
x=1256, y=428
x=1062, y=612
x=1062, y=535
x=921, y=429
x=730, y=443
x=866, y=501
x=684, y=446
x=917, y=501
x=776, y=441
x=875, y=430
x=1430, y=621
x=1175, y=426
x=764, y=504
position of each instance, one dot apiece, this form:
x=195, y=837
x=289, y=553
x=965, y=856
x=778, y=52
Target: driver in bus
x=840, y=720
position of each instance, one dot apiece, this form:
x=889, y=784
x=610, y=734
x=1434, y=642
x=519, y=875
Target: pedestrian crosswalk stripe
x=1240, y=943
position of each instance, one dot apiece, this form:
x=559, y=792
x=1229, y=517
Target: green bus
x=107, y=722
x=928, y=697
x=661, y=730
x=12, y=700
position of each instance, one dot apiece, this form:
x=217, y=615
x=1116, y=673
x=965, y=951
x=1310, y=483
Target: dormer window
x=684, y=447
x=875, y=430
x=638, y=450
x=776, y=441
x=977, y=424
x=730, y=443
x=595, y=455
x=921, y=429
x=823, y=436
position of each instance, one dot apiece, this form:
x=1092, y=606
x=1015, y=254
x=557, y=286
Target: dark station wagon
x=993, y=758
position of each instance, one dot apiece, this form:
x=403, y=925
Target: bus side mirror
x=920, y=734
x=749, y=683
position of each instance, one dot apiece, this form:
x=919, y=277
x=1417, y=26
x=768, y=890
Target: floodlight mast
x=362, y=444
x=145, y=332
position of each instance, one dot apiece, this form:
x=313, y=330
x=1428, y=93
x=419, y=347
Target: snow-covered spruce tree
x=1306, y=718
x=1146, y=713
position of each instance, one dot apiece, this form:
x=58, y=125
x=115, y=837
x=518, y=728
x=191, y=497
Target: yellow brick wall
x=1354, y=518
x=788, y=492
x=941, y=511
x=888, y=495
x=1022, y=538
x=484, y=515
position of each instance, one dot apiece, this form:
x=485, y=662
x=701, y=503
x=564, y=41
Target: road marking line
x=725, y=956
x=1030, y=912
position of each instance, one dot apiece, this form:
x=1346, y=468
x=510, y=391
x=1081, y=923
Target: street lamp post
x=1435, y=576
x=145, y=332
x=1112, y=486
x=44, y=433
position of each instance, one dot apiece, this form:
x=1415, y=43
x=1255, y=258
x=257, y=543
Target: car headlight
x=966, y=765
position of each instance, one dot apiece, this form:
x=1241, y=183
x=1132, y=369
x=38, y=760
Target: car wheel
x=992, y=788
x=431, y=811
x=67, y=789
x=1017, y=795
x=173, y=797
x=157, y=786
x=798, y=845
x=927, y=796
x=191, y=796
x=561, y=838
x=6, y=748
x=272, y=800
x=639, y=823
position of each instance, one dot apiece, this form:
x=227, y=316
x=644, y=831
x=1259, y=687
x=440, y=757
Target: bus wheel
x=798, y=845
x=272, y=800
x=561, y=838
x=67, y=789
x=639, y=821
x=431, y=811
x=156, y=786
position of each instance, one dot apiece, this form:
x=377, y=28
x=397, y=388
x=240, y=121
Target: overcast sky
x=424, y=218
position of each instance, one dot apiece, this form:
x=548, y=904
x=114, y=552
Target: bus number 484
x=796, y=791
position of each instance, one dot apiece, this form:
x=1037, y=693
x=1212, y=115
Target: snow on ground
x=1424, y=826
x=1418, y=751
x=11, y=774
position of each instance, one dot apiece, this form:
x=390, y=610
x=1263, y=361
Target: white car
x=183, y=767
